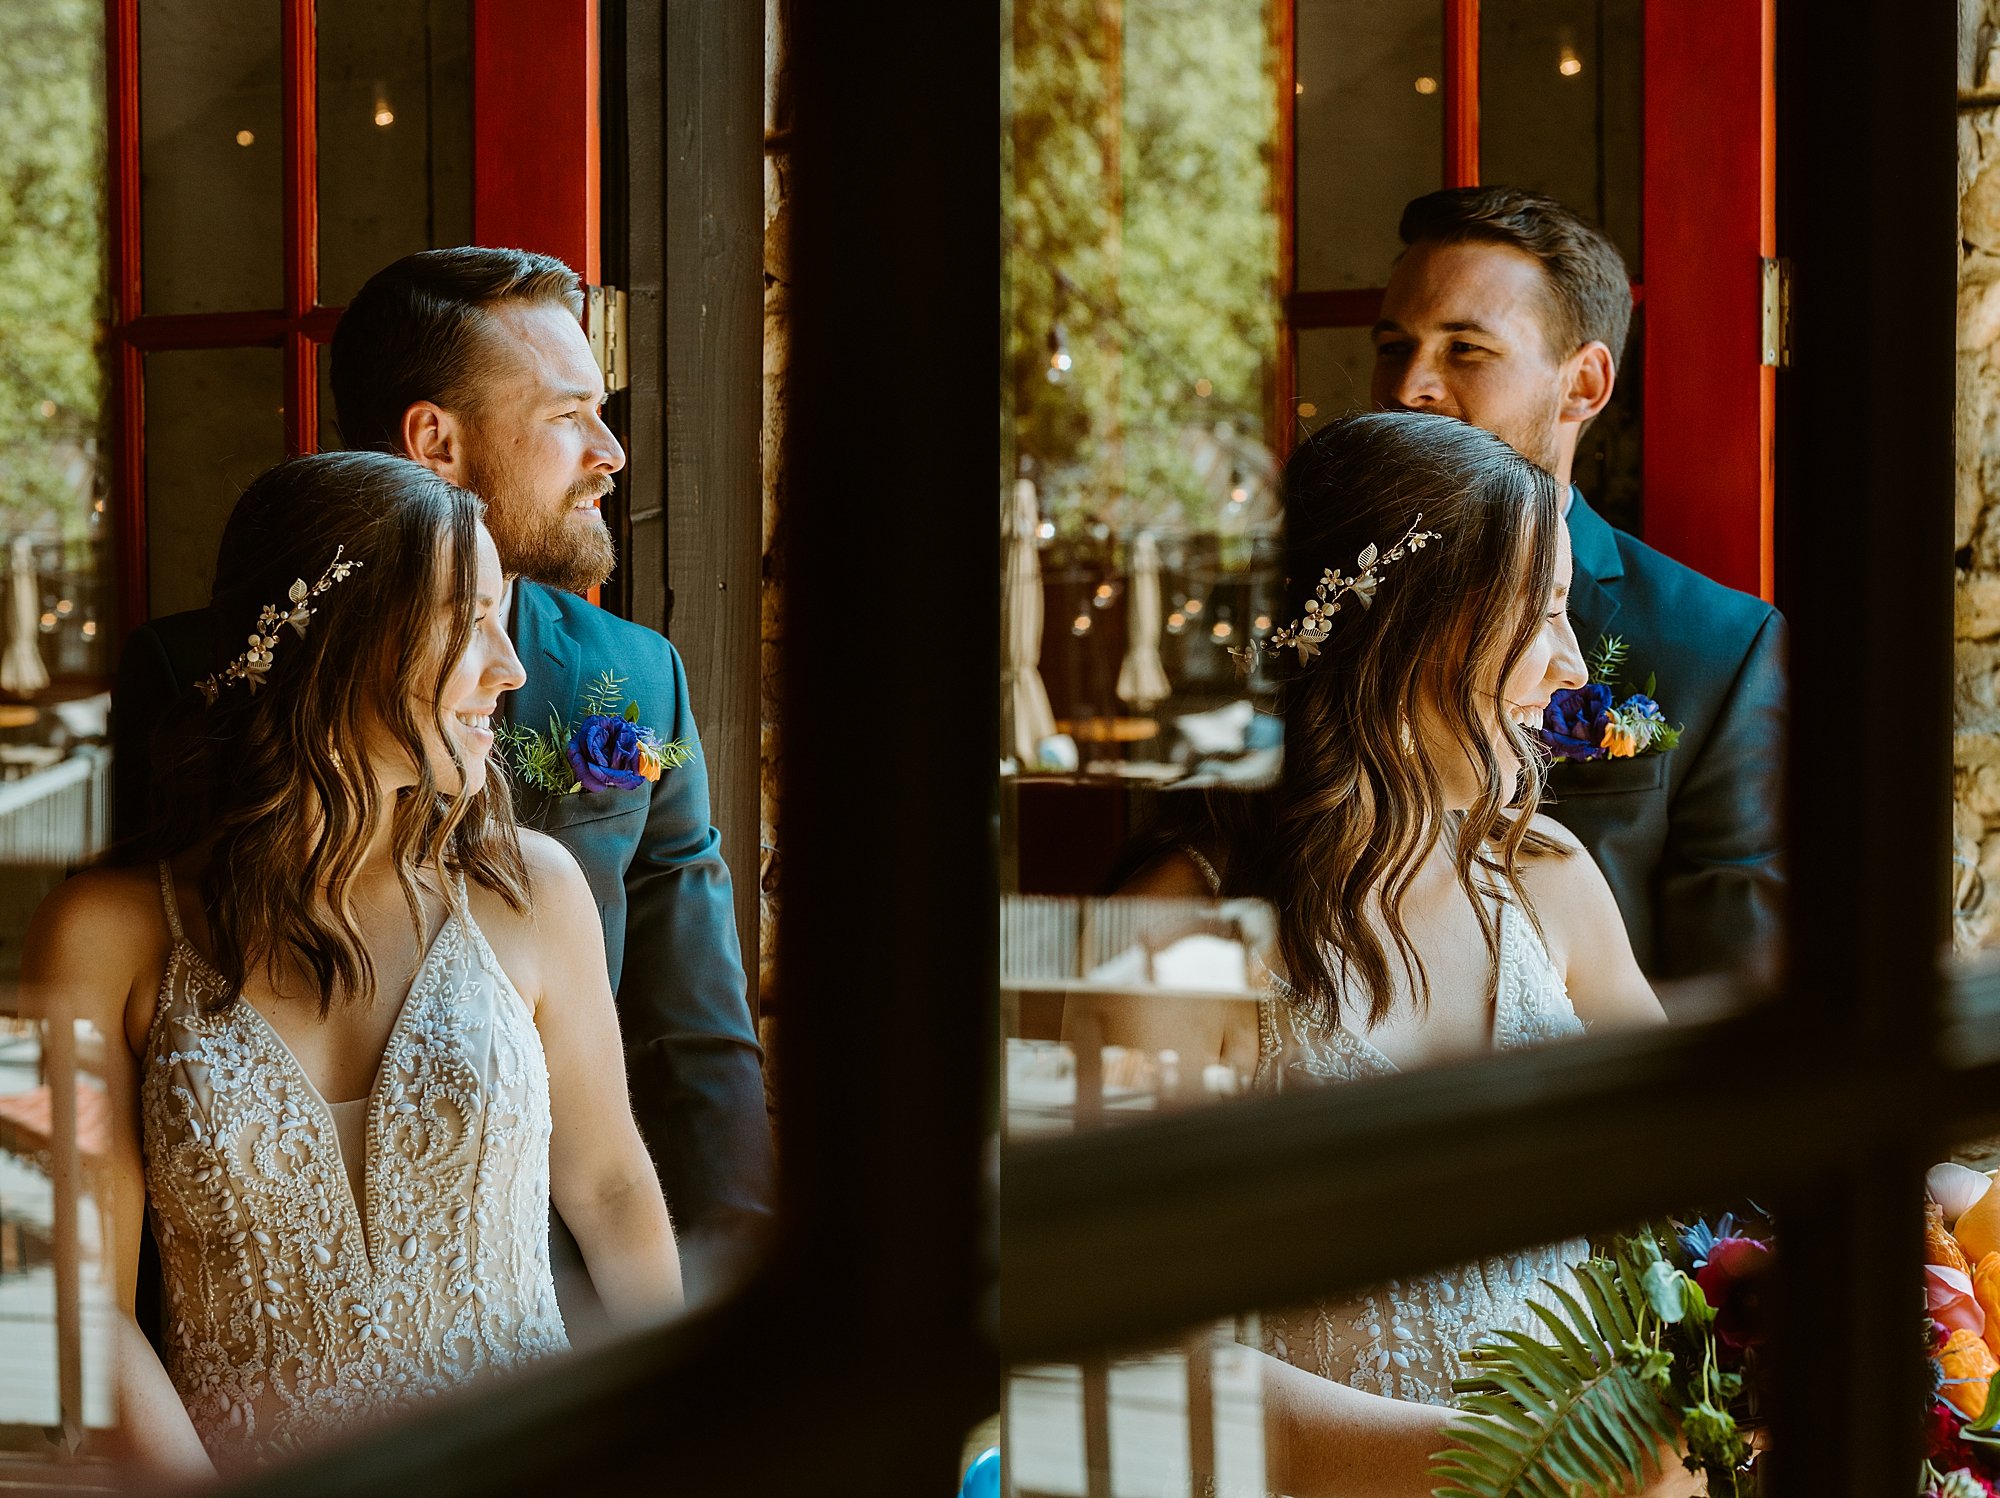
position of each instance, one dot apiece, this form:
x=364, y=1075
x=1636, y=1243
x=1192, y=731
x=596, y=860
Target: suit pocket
x=1607, y=777
x=591, y=806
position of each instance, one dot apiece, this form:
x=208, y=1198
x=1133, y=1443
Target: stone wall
x=1976, y=746
x=777, y=348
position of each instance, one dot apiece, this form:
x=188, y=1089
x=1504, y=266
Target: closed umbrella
x=1030, y=718
x=21, y=668
x=1142, y=679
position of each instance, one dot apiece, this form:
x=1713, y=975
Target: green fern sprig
x=1608, y=660
x=606, y=695
x=1630, y=1371
x=539, y=759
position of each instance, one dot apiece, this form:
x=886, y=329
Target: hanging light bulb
x=1080, y=625
x=1059, y=359
x=384, y=115
x=1176, y=622
x=1427, y=84
x=1567, y=62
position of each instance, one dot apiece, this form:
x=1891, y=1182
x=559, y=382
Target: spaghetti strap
x=167, y=898
x=1207, y=869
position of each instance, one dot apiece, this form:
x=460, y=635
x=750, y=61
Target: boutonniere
x=606, y=747
x=1589, y=722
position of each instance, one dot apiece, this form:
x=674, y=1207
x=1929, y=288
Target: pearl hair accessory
x=253, y=663
x=1305, y=635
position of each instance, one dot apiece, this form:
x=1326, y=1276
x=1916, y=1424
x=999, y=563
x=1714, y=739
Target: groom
x=1507, y=310
x=473, y=363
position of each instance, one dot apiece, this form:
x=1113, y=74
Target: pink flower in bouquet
x=1953, y=1305
x=1731, y=1282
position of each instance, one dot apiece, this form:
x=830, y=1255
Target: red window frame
x=535, y=173
x=1708, y=204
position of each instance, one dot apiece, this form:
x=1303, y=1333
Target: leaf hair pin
x=253, y=664
x=1306, y=634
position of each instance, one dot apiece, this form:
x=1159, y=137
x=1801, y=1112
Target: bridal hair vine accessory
x=253, y=663
x=1304, y=635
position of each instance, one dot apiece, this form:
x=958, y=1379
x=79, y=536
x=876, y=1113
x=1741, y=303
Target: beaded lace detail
x=1402, y=1338
x=294, y=1310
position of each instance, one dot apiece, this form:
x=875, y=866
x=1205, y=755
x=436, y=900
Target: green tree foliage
x=1159, y=280
x=51, y=259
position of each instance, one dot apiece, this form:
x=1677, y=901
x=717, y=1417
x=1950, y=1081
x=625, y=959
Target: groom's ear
x=1588, y=389
x=435, y=438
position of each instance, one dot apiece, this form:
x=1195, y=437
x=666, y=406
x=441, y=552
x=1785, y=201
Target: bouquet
x=1663, y=1346
x=1659, y=1345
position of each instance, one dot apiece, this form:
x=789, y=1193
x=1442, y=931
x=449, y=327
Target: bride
x=358, y=1024
x=1425, y=912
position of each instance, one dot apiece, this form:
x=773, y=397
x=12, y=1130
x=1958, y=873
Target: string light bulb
x=1427, y=85
x=245, y=138
x=384, y=115
x=1567, y=62
x=1060, y=362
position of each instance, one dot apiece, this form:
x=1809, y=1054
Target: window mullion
x=301, y=105
x=1461, y=93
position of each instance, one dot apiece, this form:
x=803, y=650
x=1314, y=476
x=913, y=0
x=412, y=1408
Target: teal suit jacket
x=654, y=864
x=1691, y=841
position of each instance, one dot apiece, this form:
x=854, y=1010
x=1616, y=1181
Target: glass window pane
x=395, y=135
x=1142, y=333
x=1297, y=1398
x=1333, y=368
x=214, y=421
x=57, y=1300
x=212, y=154
x=1562, y=104
x=1369, y=121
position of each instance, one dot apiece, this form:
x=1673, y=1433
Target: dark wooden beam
x=713, y=162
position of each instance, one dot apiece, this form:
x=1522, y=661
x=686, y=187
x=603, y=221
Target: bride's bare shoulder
x=1176, y=874
x=1557, y=869
x=98, y=939
x=118, y=906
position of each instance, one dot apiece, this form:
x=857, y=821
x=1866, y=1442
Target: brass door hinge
x=1777, y=336
x=604, y=324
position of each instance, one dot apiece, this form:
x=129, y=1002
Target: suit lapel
x=1593, y=590
x=547, y=658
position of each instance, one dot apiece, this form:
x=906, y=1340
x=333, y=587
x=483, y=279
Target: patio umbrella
x=1030, y=718
x=21, y=668
x=1142, y=679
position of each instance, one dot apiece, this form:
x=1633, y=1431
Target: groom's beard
x=560, y=548
x=1537, y=439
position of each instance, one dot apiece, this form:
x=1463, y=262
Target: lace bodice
x=294, y=1307
x=1403, y=1337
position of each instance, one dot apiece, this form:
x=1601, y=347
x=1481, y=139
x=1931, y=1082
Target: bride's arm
x=600, y=1176
x=1326, y=1440
x=85, y=959
x=1587, y=937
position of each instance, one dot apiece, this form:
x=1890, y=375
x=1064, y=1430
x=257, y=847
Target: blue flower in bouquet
x=612, y=753
x=1573, y=724
x=1589, y=722
x=606, y=749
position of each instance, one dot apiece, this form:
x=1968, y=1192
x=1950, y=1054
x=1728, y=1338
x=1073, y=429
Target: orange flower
x=1986, y=1290
x=1966, y=1356
x=1939, y=1246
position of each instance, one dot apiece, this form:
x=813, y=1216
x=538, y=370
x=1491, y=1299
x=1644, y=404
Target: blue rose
x=1573, y=725
x=605, y=752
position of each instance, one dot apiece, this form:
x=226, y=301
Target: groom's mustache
x=596, y=488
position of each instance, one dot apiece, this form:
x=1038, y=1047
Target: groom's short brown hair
x=1590, y=292
x=415, y=333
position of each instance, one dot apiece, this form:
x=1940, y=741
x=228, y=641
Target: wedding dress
x=297, y=1301
x=1402, y=1338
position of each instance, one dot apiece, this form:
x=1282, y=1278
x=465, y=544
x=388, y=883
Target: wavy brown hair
x=274, y=787
x=1337, y=846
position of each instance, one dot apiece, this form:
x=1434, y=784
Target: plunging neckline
x=358, y=1210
